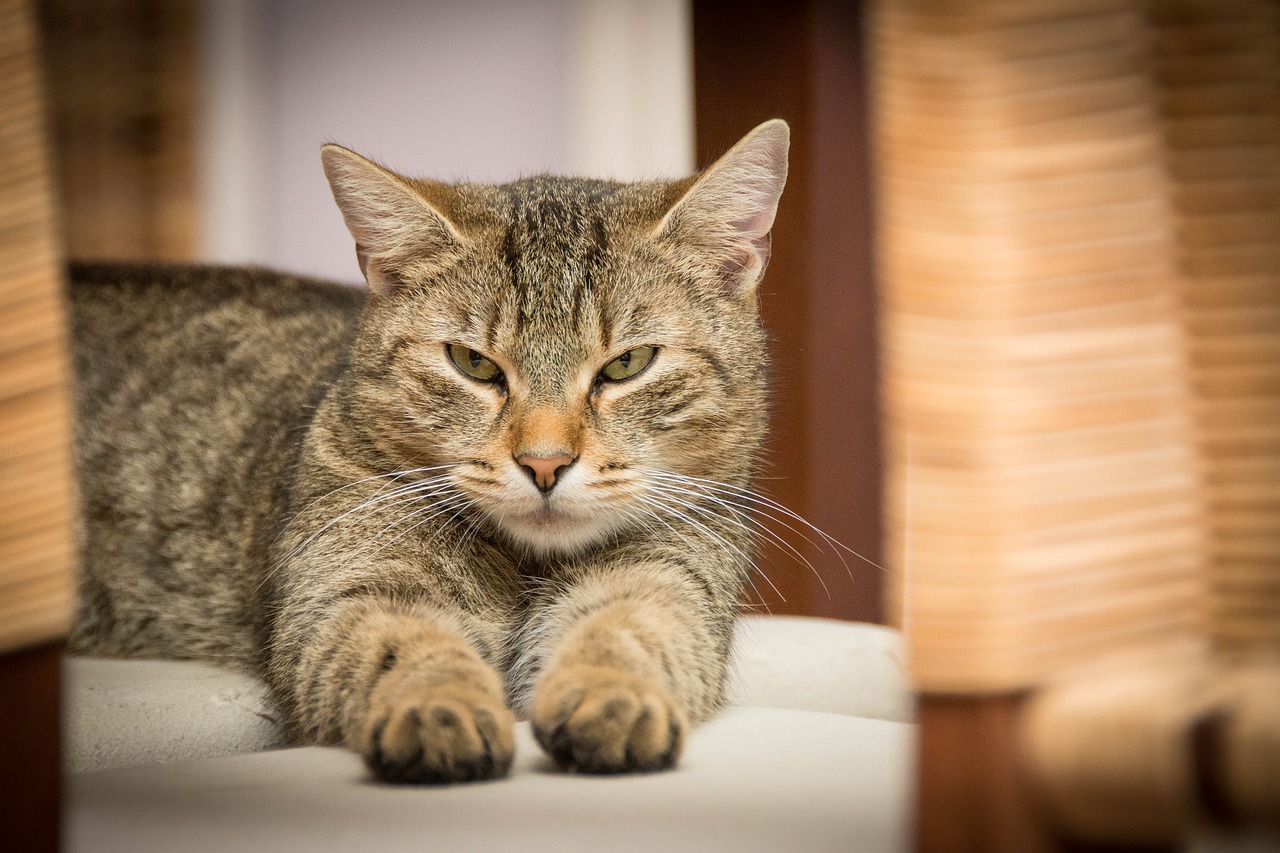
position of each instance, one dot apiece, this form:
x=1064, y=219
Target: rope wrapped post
x=1046, y=498
x=1080, y=252
x=1045, y=510
x=1218, y=63
x=37, y=499
x=1196, y=742
x=36, y=493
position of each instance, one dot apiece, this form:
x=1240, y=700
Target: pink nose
x=544, y=470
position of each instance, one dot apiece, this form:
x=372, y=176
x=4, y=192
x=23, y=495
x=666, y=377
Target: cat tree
x=1079, y=213
x=36, y=492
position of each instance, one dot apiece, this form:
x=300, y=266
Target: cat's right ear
x=393, y=225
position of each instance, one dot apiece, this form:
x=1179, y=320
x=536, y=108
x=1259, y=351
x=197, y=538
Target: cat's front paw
x=599, y=719
x=436, y=735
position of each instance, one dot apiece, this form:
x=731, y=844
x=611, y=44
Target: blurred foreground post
x=1078, y=223
x=36, y=501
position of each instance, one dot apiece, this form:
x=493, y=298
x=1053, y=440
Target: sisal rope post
x=36, y=498
x=1045, y=503
x=1218, y=63
x=1080, y=255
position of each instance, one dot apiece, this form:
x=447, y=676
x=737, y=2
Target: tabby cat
x=509, y=475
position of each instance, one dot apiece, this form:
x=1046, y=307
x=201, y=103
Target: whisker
x=454, y=502
x=657, y=502
x=650, y=512
x=377, y=502
x=763, y=532
x=652, y=501
x=394, y=475
x=761, y=501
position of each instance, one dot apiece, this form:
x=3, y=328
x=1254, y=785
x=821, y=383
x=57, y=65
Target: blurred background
x=190, y=130
x=203, y=121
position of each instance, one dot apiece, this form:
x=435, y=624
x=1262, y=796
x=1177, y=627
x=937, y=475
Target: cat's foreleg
x=626, y=660
x=404, y=685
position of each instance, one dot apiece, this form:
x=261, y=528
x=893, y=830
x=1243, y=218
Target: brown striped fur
x=293, y=478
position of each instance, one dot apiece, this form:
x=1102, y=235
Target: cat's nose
x=544, y=470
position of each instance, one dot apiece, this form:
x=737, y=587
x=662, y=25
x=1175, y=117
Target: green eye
x=474, y=364
x=629, y=363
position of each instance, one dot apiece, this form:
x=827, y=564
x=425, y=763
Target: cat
x=508, y=476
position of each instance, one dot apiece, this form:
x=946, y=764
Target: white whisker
x=764, y=504
x=743, y=517
x=379, y=501
x=450, y=504
x=390, y=477
x=653, y=501
x=650, y=512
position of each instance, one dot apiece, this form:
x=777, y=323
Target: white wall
x=486, y=90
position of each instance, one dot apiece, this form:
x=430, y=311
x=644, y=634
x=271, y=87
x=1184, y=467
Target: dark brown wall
x=802, y=61
x=122, y=88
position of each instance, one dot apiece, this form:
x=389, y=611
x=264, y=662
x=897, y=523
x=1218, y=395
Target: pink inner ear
x=750, y=253
x=749, y=186
x=743, y=261
x=756, y=228
x=371, y=224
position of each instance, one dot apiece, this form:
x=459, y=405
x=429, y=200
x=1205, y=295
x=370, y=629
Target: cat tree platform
x=813, y=754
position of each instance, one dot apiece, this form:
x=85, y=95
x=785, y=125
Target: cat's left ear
x=395, y=226
x=728, y=212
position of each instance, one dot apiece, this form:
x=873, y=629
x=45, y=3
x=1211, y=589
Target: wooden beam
x=756, y=60
x=30, y=751
x=974, y=794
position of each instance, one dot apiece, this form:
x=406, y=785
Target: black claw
x=557, y=744
x=375, y=759
x=668, y=758
x=486, y=761
x=414, y=769
x=408, y=768
x=629, y=758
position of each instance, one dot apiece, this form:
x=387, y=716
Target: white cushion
x=122, y=713
x=820, y=665
x=119, y=713
x=813, y=756
x=754, y=780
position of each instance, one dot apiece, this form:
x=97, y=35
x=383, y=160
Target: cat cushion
x=121, y=713
x=754, y=780
x=126, y=712
x=813, y=754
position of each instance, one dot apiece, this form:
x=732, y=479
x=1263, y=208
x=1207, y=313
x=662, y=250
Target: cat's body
x=511, y=475
x=195, y=387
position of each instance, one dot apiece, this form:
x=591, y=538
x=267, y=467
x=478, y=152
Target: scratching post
x=1080, y=259
x=36, y=502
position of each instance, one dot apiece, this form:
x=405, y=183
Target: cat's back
x=126, y=316
x=194, y=386
x=198, y=351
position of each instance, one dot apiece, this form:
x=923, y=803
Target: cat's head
x=566, y=345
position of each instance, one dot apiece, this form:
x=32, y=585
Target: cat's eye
x=629, y=363
x=474, y=364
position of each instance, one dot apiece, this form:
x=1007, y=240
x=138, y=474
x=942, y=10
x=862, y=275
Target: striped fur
x=294, y=478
